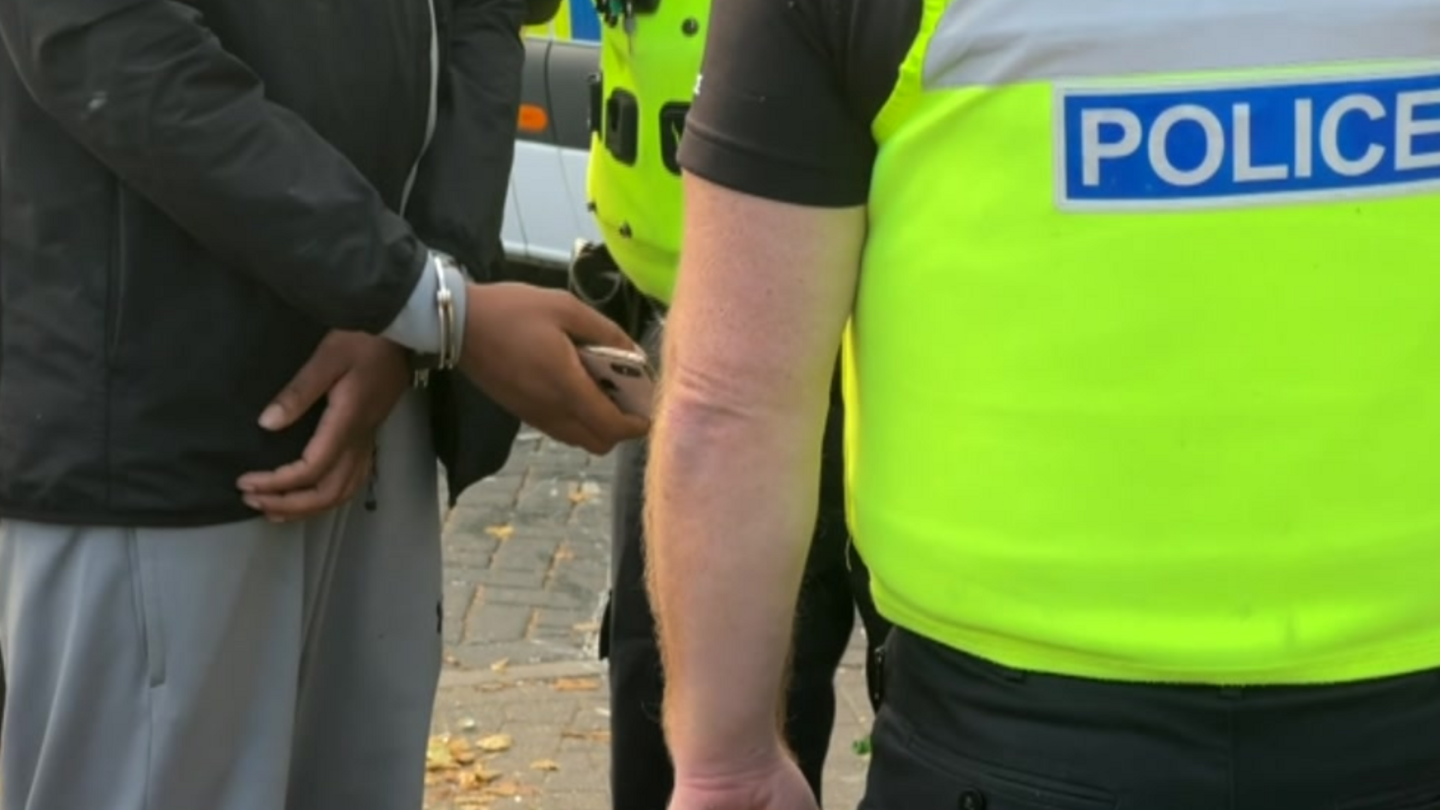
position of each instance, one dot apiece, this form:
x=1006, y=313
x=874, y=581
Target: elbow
x=539, y=12
x=707, y=431
x=689, y=428
x=46, y=60
x=95, y=69
x=697, y=410
x=692, y=423
x=75, y=71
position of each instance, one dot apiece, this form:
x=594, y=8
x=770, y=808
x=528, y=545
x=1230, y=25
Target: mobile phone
x=625, y=376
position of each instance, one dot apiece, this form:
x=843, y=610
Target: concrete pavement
x=522, y=718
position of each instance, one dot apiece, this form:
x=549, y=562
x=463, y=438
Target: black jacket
x=191, y=194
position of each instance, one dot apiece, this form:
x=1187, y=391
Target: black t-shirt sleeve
x=788, y=93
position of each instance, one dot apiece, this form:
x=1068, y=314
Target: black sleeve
x=458, y=203
x=788, y=93
x=539, y=12
x=458, y=206
x=151, y=93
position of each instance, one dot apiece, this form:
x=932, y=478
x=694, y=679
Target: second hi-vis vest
x=1144, y=376
x=647, y=80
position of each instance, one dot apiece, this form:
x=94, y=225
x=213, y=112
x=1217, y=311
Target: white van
x=545, y=210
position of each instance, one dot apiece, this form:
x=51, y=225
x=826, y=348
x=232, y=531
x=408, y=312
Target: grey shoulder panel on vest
x=997, y=42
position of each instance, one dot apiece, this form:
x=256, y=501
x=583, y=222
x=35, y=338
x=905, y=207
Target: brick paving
x=522, y=718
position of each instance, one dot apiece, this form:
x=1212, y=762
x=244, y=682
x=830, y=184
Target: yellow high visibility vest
x=648, y=78
x=1144, y=375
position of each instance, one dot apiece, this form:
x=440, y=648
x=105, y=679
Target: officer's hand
x=362, y=378
x=773, y=784
x=520, y=348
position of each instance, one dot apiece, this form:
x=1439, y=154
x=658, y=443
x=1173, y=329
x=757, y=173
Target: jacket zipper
x=432, y=111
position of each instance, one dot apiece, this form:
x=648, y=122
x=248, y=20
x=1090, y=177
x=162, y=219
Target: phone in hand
x=625, y=376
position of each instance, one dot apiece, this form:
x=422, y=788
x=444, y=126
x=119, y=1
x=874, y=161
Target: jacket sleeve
x=539, y=12
x=147, y=89
x=458, y=203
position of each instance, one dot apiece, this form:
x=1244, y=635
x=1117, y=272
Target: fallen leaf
x=461, y=752
x=438, y=756
x=496, y=743
x=564, y=555
x=579, y=496
x=499, y=666
x=476, y=778
x=468, y=724
x=544, y=765
x=451, y=660
x=576, y=685
x=861, y=747
x=502, y=533
x=586, y=627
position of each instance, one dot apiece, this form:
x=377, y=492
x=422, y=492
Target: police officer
x=651, y=56
x=1140, y=369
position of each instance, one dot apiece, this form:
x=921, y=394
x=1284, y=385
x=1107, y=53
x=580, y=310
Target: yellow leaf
x=438, y=756
x=496, y=743
x=544, y=765
x=461, y=752
x=502, y=533
x=499, y=666
x=576, y=685
x=476, y=778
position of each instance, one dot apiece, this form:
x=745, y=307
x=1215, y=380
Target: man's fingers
x=304, y=390
x=588, y=327
x=288, y=478
x=336, y=488
x=577, y=434
x=332, y=436
x=601, y=418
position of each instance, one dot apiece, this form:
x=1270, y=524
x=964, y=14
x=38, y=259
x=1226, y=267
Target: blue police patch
x=1245, y=144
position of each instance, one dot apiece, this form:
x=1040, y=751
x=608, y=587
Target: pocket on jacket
x=908, y=772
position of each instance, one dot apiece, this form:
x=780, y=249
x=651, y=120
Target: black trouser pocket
x=908, y=772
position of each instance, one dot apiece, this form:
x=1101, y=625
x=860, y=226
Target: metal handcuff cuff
x=452, y=332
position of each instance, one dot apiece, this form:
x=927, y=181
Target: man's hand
x=362, y=377
x=520, y=348
x=772, y=784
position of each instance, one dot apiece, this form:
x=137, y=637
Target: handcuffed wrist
x=432, y=324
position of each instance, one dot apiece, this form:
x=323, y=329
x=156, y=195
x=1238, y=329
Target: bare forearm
x=729, y=533
x=735, y=461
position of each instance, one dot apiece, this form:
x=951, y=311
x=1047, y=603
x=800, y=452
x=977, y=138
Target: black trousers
x=835, y=584
x=959, y=733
